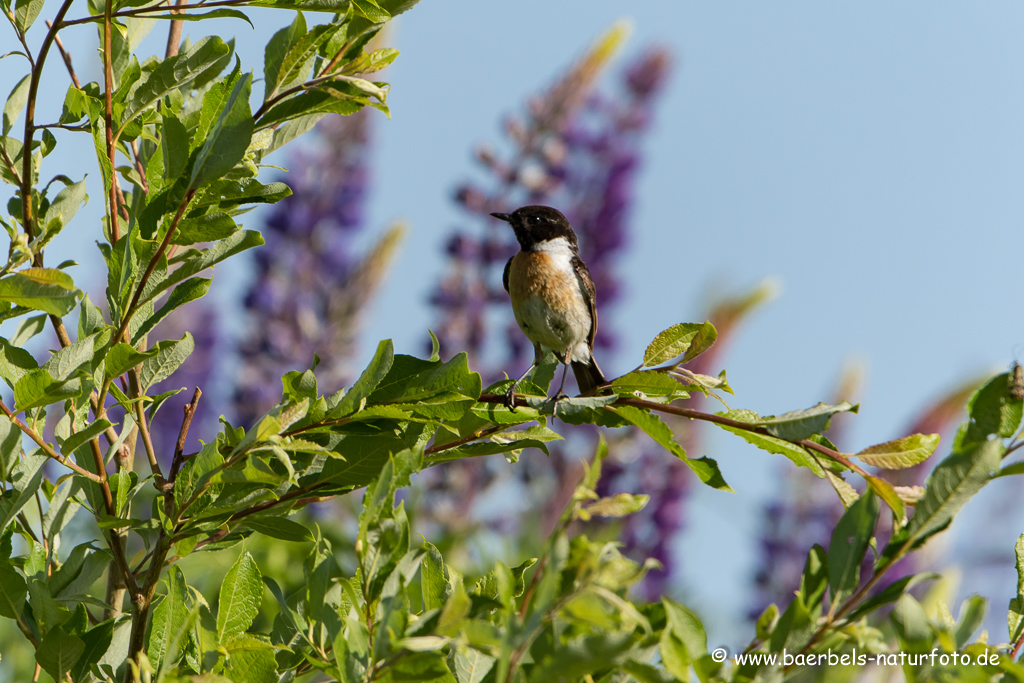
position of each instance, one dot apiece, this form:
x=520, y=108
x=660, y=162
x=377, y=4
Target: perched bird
x=552, y=294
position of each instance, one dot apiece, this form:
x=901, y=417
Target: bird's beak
x=501, y=216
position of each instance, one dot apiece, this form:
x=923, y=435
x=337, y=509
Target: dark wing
x=504, y=276
x=589, y=294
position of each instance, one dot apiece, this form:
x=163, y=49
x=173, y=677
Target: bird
x=552, y=294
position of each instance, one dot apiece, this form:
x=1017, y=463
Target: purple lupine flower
x=578, y=150
x=309, y=286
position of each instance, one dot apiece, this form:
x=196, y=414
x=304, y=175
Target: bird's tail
x=588, y=375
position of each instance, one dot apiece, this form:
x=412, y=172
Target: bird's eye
x=535, y=220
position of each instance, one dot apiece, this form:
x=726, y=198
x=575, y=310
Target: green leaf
x=228, y=139
x=972, y=614
x=58, y=652
x=15, y=362
x=951, y=484
x=313, y=103
x=97, y=641
x=29, y=328
x=885, y=491
x=850, y=540
x=25, y=13
x=206, y=228
x=373, y=61
x=677, y=340
x=993, y=410
x=800, y=424
x=13, y=591
x=472, y=666
x=814, y=580
x=1015, y=617
x=169, y=617
x=371, y=10
x=229, y=194
x=911, y=621
x=281, y=528
x=66, y=204
x=240, y=596
x=619, y=505
x=648, y=385
x=798, y=454
x=123, y=357
x=43, y=289
x=891, y=594
x=901, y=453
x=65, y=361
x=172, y=74
x=80, y=437
x=15, y=103
x=193, y=262
x=170, y=355
x=251, y=659
x=298, y=60
x=684, y=641
x=277, y=48
x=376, y=371
x=38, y=388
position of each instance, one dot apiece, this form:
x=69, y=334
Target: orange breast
x=534, y=274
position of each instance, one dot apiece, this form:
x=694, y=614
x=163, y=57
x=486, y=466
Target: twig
x=139, y=167
x=67, y=57
x=108, y=118
x=174, y=32
x=27, y=208
x=34, y=435
x=154, y=9
x=478, y=434
x=140, y=418
x=186, y=422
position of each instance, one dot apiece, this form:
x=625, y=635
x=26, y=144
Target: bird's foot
x=555, y=399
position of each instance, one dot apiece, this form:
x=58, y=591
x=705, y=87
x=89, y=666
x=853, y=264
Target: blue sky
x=866, y=155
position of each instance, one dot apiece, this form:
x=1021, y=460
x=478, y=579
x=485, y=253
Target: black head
x=534, y=224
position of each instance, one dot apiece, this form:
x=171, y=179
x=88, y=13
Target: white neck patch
x=560, y=251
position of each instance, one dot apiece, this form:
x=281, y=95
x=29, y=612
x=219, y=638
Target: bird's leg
x=560, y=394
x=510, y=395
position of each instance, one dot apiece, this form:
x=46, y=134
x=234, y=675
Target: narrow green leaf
x=172, y=74
x=189, y=290
x=206, y=228
x=169, y=617
x=80, y=437
x=814, y=580
x=850, y=540
x=619, y=505
x=15, y=103
x=800, y=424
x=229, y=137
x=298, y=60
x=993, y=410
x=65, y=361
x=281, y=528
x=240, y=596
x=13, y=591
x=1015, y=616
x=193, y=262
x=951, y=484
x=371, y=10
x=798, y=454
x=891, y=593
x=277, y=48
x=889, y=496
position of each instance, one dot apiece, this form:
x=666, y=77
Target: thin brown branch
x=478, y=434
x=186, y=422
x=139, y=167
x=108, y=120
x=25, y=189
x=174, y=32
x=154, y=9
x=67, y=57
x=35, y=436
x=140, y=418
